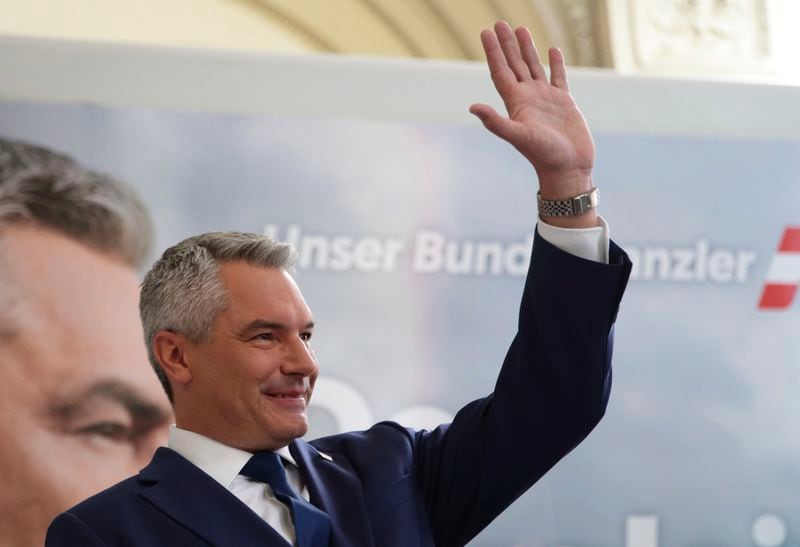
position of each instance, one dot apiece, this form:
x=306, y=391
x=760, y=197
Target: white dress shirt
x=223, y=463
x=588, y=243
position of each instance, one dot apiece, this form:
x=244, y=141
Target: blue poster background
x=700, y=437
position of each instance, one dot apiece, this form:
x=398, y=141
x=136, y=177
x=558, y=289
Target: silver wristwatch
x=567, y=207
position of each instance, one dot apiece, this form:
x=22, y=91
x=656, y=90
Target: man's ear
x=169, y=349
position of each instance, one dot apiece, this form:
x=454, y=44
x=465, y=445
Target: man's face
x=252, y=380
x=80, y=409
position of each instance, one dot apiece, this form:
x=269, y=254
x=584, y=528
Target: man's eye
x=306, y=336
x=108, y=430
x=266, y=336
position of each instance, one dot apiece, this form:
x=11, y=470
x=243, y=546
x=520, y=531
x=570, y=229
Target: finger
x=508, y=43
x=501, y=126
x=502, y=76
x=530, y=54
x=558, y=72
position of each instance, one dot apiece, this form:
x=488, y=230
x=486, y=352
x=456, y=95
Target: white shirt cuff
x=588, y=243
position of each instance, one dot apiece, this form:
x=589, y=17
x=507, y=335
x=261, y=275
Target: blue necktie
x=312, y=527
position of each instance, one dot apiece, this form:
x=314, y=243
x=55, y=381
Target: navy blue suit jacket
x=394, y=487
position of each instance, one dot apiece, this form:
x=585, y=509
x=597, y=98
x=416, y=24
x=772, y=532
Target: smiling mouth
x=294, y=399
x=290, y=393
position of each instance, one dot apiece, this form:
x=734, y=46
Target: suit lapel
x=201, y=504
x=334, y=487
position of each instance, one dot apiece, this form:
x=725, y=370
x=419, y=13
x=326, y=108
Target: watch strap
x=570, y=207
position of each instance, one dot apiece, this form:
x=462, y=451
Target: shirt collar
x=220, y=461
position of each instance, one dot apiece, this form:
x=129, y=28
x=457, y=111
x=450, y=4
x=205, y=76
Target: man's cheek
x=45, y=477
x=87, y=465
x=84, y=475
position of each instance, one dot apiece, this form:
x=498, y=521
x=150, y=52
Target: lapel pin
x=324, y=456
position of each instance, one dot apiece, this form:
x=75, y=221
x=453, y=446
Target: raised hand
x=543, y=123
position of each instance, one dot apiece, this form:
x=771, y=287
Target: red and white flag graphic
x=783, y=275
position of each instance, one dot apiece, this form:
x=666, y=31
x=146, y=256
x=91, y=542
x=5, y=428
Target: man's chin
x=299, y=425
x=292, y=431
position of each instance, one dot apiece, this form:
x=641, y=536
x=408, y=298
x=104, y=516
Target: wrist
x=571, y=211
x=564, y=184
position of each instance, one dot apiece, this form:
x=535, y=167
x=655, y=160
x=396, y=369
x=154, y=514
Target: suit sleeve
x=552, y=390
x=67, y=530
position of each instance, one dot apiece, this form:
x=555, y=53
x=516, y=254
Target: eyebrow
x=271, y=325
x=143, y=412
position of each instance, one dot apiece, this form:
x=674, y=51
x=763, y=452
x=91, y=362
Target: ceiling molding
x=444, y=16
x=316, y=41
x=425, y=28
x=393, y=26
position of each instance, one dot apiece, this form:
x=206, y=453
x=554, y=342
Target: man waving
x=230, y=337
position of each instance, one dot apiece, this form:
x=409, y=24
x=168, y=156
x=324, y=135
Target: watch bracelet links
x=574, y=206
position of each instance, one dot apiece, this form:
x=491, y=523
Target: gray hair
x=42, y=187
x=182, y=292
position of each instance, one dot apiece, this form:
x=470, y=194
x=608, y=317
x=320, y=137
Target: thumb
x=494, y=122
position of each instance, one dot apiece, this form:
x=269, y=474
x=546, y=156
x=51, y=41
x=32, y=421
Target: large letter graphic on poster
x=783, y=275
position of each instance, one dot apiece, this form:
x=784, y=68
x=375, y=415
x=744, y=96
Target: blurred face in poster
x=79, y=408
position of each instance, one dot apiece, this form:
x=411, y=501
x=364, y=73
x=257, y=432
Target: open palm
x=543, y=121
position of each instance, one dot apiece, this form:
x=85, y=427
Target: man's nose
x=300, y=359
